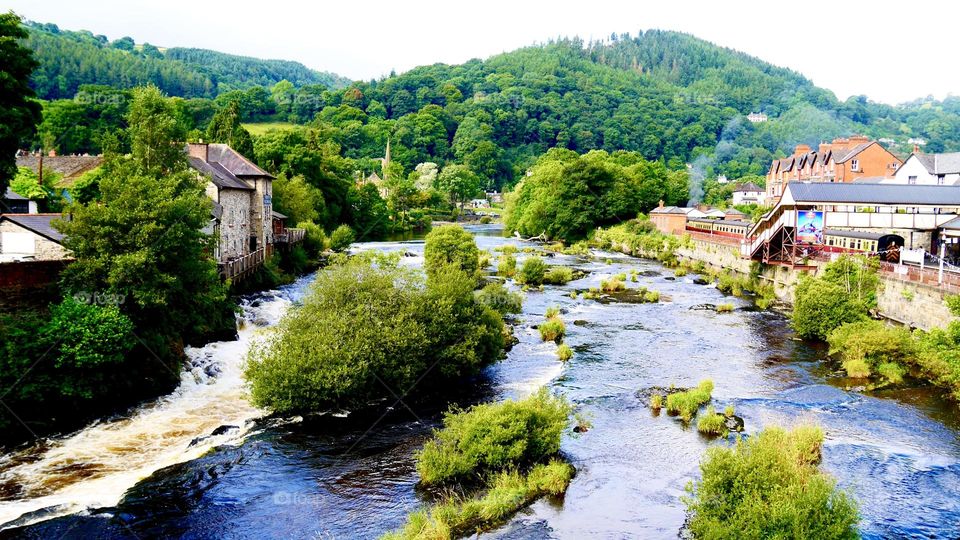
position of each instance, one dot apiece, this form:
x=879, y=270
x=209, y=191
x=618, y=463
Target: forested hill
x=711, y=72
x=69, y=59
x=669, y=96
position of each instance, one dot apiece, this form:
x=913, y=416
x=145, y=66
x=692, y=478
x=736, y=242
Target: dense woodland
x=668, y=96
x=69, y=59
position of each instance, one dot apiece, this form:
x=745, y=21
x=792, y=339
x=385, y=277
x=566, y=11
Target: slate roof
x=953, y=224
x=669, y=210
x=233, y=161
x=853, y=234
x=278, y=215
x=218, y=174
x=893, y=194
x=940, y=163
x=70, y=167
x=841, y=156
x=10, y=195
x=38, y=223
x=749, y=186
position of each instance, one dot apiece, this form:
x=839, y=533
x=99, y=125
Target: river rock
x=580, y=322
x=704, y=307
x=223, y=430
x=670, y=278
x=700, y=280
x=733, y=423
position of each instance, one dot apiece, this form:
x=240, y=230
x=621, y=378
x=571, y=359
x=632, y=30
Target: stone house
x=31, y=237
x=242, y=196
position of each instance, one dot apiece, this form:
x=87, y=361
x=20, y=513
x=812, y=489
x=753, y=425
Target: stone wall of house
x=235, y=223
x=261, y=212
x=43, y=249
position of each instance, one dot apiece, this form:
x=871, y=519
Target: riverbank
x=316, y=477
x=910, y=304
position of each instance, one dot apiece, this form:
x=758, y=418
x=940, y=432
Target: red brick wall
x=29, y=285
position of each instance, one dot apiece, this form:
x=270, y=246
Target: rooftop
x=218, y=174
x=888, y=194
x=38, y=223
x=940, y=163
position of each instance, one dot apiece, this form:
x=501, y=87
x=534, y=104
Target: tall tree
x=19, y=113
x=225, y=127
x=143, y=240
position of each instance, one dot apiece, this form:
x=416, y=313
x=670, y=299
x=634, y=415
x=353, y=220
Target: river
x=168, y=471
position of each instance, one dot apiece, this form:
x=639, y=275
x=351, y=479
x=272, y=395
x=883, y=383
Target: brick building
x=843, y=160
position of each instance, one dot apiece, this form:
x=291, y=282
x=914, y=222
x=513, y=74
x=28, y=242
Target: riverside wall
x=902, y=301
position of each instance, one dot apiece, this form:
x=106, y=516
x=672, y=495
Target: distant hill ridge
x=69, y=59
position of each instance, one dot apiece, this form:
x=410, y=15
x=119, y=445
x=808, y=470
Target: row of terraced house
x=242, y=215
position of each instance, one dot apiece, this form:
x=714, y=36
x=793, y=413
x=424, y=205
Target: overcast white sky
x=892, y=52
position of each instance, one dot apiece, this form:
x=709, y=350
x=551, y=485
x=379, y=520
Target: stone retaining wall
x=911, y=304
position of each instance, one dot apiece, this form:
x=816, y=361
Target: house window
x=911, y=180
x=940, y=179
x=855, y=165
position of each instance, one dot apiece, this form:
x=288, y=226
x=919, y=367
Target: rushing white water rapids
x=95, y=466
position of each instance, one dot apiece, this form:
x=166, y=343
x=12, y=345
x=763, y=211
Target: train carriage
x=730, y=228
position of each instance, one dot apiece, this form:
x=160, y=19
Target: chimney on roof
x=661, y=204
x=199, y=150
x=802, y=149
x=52, y=153
x=916, y=148
x=824, y=147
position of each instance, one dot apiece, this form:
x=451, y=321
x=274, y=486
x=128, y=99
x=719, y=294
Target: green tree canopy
x=19, y=113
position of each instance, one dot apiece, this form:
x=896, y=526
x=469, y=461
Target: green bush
x=821, y=306
x=614, y=284
x=500, y=299
x=564, y=352
x=656, y=402
x=711, y=423
x=532, y=271
x=558, y=275
x=552, y=330
x=724, y=308
x=688, y=402
x=450, y=245
x=769, y=486
x=315, y=240
x=551, y=312
x=327, y=353
x=507, y=265
x=492, y=437
x=864, y=345
x=341, y=238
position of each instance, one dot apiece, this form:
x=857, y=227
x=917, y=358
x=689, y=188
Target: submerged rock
x=670, y=278
x=581, y=322
x=704, y=307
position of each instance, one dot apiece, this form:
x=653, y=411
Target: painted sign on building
x=810, y=227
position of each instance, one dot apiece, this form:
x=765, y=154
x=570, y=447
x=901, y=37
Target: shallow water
x=897, y=452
